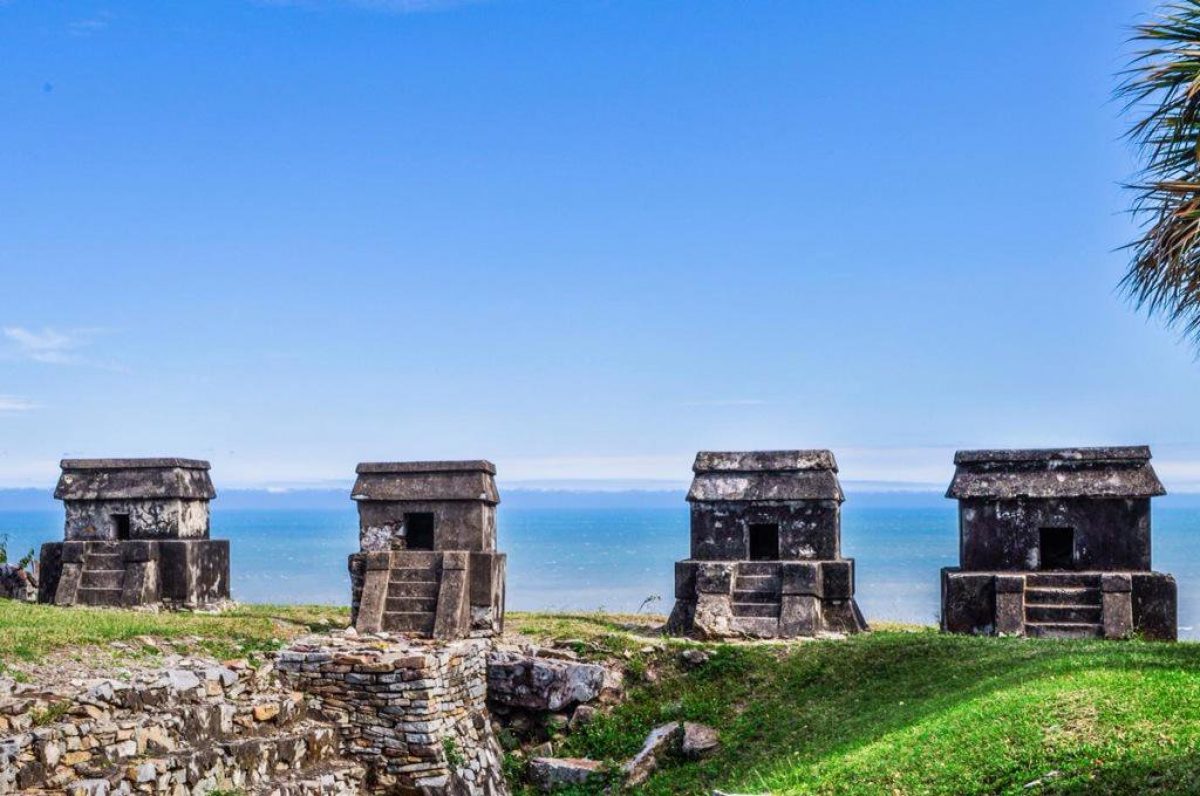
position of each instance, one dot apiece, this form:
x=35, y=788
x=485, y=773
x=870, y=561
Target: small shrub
x=49, y=714
x=453, y=756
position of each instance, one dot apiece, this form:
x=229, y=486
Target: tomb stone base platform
x=1060, y=604
x=172, y=573
x=765, y=599
x=444, y=594
x=413, y=713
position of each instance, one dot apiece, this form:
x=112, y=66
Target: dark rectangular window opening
x=418, y=530
x=1057, y=548
x=764, y=542
x=120, y=526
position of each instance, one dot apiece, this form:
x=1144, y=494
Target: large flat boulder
x=521, y=680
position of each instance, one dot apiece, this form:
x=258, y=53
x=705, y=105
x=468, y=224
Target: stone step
x=413, y=589
x=410, y=605
x=1059, y=614
x=1064, y=630
x=93, y=596
x=420, y=574
x=758, y=568
x=102, y=578
x=104, y=548
x=757, y=583
x=1089, y=580
x=415, y=559
x=103, y=560
x=1066, y=595
x=757, y=626
x=756, y=609
x=408, y=622
x=756, y=596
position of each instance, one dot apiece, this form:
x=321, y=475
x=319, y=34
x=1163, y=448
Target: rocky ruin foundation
x=413, y=715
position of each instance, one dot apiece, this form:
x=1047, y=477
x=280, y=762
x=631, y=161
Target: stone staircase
x=102, y=576
x=1063, y=605
x=756, y=598
x=412, y=593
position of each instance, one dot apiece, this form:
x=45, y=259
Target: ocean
x=616, y=559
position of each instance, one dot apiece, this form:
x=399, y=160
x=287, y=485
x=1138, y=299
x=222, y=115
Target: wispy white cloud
x=10, y=404
x=47, y=345
x=54, y=346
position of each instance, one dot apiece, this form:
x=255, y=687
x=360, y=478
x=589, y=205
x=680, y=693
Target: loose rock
x=548, y=773
x=583, y=716
x=658, y=743
x=699, y=740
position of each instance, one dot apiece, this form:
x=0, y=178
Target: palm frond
x=1161, y=90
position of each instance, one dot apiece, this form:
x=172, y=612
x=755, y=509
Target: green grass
x=891, y=712
x=27, y=632
x=896, y=712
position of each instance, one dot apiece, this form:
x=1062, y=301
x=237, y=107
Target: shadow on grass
x=795, y=707
x=1174, y=772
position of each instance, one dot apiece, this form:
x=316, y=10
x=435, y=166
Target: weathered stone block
x=1117, y=613
x=539, y=683
x=1116, y=582
x=800, y=615
x=713, y=616
x=685, y=580
x=1155, y=605
x=1010, y=605
x=838, y=579
x=714, y=578
x=802, y=577
x=968, y=602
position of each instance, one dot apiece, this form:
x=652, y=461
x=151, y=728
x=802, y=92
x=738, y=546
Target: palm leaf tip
x=1161, y=92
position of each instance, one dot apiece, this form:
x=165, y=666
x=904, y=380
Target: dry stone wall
x=185, y=730
x=413, y=713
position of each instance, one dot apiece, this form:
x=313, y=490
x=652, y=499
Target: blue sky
x=583, y=239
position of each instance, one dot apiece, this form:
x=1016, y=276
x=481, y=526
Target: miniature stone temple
x=427, y=564
x=136, y=534
x=1056, y=543
x=765, y=548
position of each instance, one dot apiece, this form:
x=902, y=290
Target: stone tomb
x=427, y=564
x=1056, y=543
x=765, y=548
x=136, y=534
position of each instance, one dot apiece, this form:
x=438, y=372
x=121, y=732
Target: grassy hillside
x=892, y=712
x=917, y=712
x=28, y=632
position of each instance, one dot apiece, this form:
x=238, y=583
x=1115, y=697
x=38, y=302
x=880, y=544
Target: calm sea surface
x=584, y=559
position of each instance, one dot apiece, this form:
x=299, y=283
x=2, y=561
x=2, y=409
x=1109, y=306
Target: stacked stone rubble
x=18, y=583
x=185, y=730
x=413, y=714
